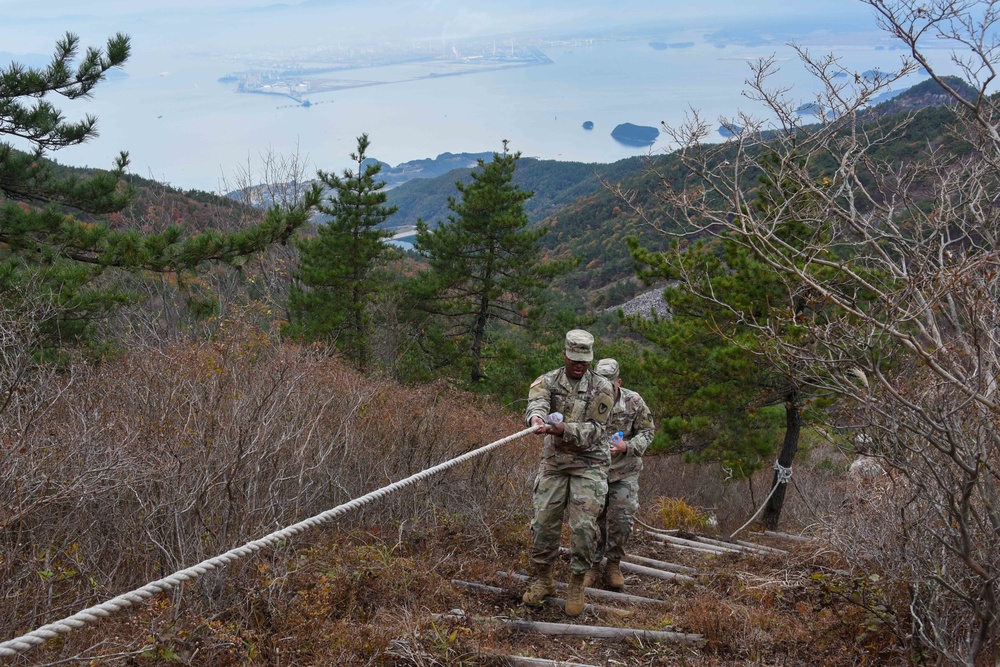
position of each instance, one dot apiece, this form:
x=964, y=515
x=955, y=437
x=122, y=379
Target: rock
x=644, y=304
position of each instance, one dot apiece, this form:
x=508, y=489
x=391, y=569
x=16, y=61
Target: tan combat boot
x=613, y=576
x=574, y=598
x=592, y=576
x=542, y=587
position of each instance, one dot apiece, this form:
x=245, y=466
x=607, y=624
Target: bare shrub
x=708, y=488
x=889, y=266
x=118, y=473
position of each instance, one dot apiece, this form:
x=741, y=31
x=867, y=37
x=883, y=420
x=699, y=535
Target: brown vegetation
x=124, y=471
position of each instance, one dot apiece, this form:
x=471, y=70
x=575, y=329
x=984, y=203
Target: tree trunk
x=793, y=427
x=479, y=336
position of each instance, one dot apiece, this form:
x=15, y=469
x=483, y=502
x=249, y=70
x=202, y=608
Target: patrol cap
x=607, y=368
x=579, y=345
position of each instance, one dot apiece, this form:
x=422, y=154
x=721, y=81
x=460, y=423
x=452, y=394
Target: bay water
x=182, y=126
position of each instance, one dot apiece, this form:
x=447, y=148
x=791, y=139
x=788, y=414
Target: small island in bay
x=635, y=135
x=588, y=125
x=730, y=130
x=810, y=109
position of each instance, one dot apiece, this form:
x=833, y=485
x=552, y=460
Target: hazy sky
x=30, y=27
x=681, y=9
x=29, y=24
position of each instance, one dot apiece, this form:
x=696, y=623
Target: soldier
x=632, y=419
x=572, y=477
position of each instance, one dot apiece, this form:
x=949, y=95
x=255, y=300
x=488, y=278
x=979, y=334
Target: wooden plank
x=742, y=546
x=764, y=548
x=703, y=545
x=594, y=592
x=522, y=661
x=786, y=536
x=661, y=564
x=591, y=631
x=654, y=572
x=706, y=550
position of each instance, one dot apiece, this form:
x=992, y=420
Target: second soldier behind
x=631, y=417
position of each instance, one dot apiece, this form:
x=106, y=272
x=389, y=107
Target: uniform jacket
x=631, y=416
x=585, y=408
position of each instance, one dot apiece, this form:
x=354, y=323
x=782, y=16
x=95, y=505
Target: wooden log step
x=661, y=531
x=558, y=602
x=764, y=548
x=786, y=536
x=655, y=572
x=721, y=548
x=522, y=661
x=739, y=545
x=706, y=549
x=593, y=592
x=663, y=565
x=591, y=631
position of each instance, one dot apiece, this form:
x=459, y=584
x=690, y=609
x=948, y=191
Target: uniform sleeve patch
x=601, y=410
x=537, y=382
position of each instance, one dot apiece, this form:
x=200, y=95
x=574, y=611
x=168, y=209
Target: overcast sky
x=30, y=25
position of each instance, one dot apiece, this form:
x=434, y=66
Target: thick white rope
x=92, y=614
x=784, y=475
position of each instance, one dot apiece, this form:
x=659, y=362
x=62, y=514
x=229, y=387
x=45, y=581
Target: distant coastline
x=296, y=82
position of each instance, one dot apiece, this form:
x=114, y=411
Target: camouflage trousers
x=577, y=495
x=615, y=520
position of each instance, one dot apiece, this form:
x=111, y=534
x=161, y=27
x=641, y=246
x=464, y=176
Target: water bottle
x=617, y=438
x=555, y=418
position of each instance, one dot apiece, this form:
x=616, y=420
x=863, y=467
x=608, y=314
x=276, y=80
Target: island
x=588, y=125
x=730, y=130
x=663, y=46
x=810, y=109
x=635, y=135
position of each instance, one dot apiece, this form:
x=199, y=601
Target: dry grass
x=122, y=472
x=675, y=513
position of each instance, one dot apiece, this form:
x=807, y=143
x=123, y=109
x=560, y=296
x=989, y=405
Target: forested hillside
x=590, y=222
x=555, y=184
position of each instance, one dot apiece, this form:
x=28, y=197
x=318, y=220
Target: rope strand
x=784, y=474
x=90, y=615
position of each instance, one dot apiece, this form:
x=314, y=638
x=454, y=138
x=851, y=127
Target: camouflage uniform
x=572, y=477
x=631, y=416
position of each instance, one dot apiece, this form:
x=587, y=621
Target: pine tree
x=56, y=247
x=484, y=263
x=338, y=274
x=725, y=394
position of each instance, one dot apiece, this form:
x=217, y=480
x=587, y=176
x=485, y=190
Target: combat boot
x=542, y=587
x=592, y=576
x=574, y=598
x=613, y=576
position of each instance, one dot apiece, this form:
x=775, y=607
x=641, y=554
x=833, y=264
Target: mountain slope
x=556, y=184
